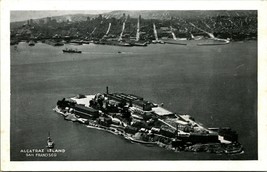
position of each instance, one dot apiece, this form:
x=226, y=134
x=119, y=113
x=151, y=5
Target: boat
x=115, y=43
x=172, y=41
x=197, y=42
x=31, y=43
x=50, y=142
x=216, y=41
x=71, y=50
x=58, y=44
x=54, y=42
x=124, y=44
x=142, y=44
x=85, y=42
x=76, y=42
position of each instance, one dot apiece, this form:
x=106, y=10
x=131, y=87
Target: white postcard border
x=257, y=165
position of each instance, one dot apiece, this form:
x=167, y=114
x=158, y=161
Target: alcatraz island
x=140, y=121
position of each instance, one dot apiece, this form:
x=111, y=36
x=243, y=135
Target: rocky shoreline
x=163, y=134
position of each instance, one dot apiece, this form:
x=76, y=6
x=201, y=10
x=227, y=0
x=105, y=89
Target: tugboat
x=50, y=143
x=71, y=51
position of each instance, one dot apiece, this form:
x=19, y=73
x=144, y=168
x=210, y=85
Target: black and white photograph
x=115, y=85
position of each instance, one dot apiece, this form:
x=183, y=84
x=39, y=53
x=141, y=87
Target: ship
x=69, y=50
x=197, y=42
x=138, y=43
x=58, y=43
x=85, y=42
x=115, y=43
x=172, y=41
x=202, y=40
x=31, y=43
x=54, y=43
x=76, y=42
x=50, y=142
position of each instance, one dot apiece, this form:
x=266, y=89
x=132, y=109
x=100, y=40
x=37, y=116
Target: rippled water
x=217, y=85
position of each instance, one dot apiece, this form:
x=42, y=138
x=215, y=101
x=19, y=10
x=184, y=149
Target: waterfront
x=216, y=85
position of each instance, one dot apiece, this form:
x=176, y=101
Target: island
x=140, y=121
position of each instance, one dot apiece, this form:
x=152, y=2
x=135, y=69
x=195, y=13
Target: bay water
x=217, y=85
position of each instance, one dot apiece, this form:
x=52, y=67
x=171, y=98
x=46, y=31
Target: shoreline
x=173, y=42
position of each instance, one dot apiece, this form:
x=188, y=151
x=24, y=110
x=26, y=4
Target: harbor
x=214, y=28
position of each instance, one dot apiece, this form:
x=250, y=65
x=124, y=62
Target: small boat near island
x=50, y=142
x=69, y=50
x=31, y=43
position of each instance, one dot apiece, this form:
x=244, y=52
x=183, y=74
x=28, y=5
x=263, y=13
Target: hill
x=146, y=14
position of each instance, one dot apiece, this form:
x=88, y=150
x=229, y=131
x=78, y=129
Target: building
x=41, y=22
x=85, y=112
x=167, y=131
x=100, y=17
x=48, y=20
x=159, y=111
x=31, y=21
x=131, y=129
x=200, y=138
x=165, y=28
x=141, y=104
x=105, y=121
x=123, y=16
x=131, y=100
x=228, y=134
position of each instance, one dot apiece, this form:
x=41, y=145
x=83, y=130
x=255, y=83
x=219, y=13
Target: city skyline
x=16, y=16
